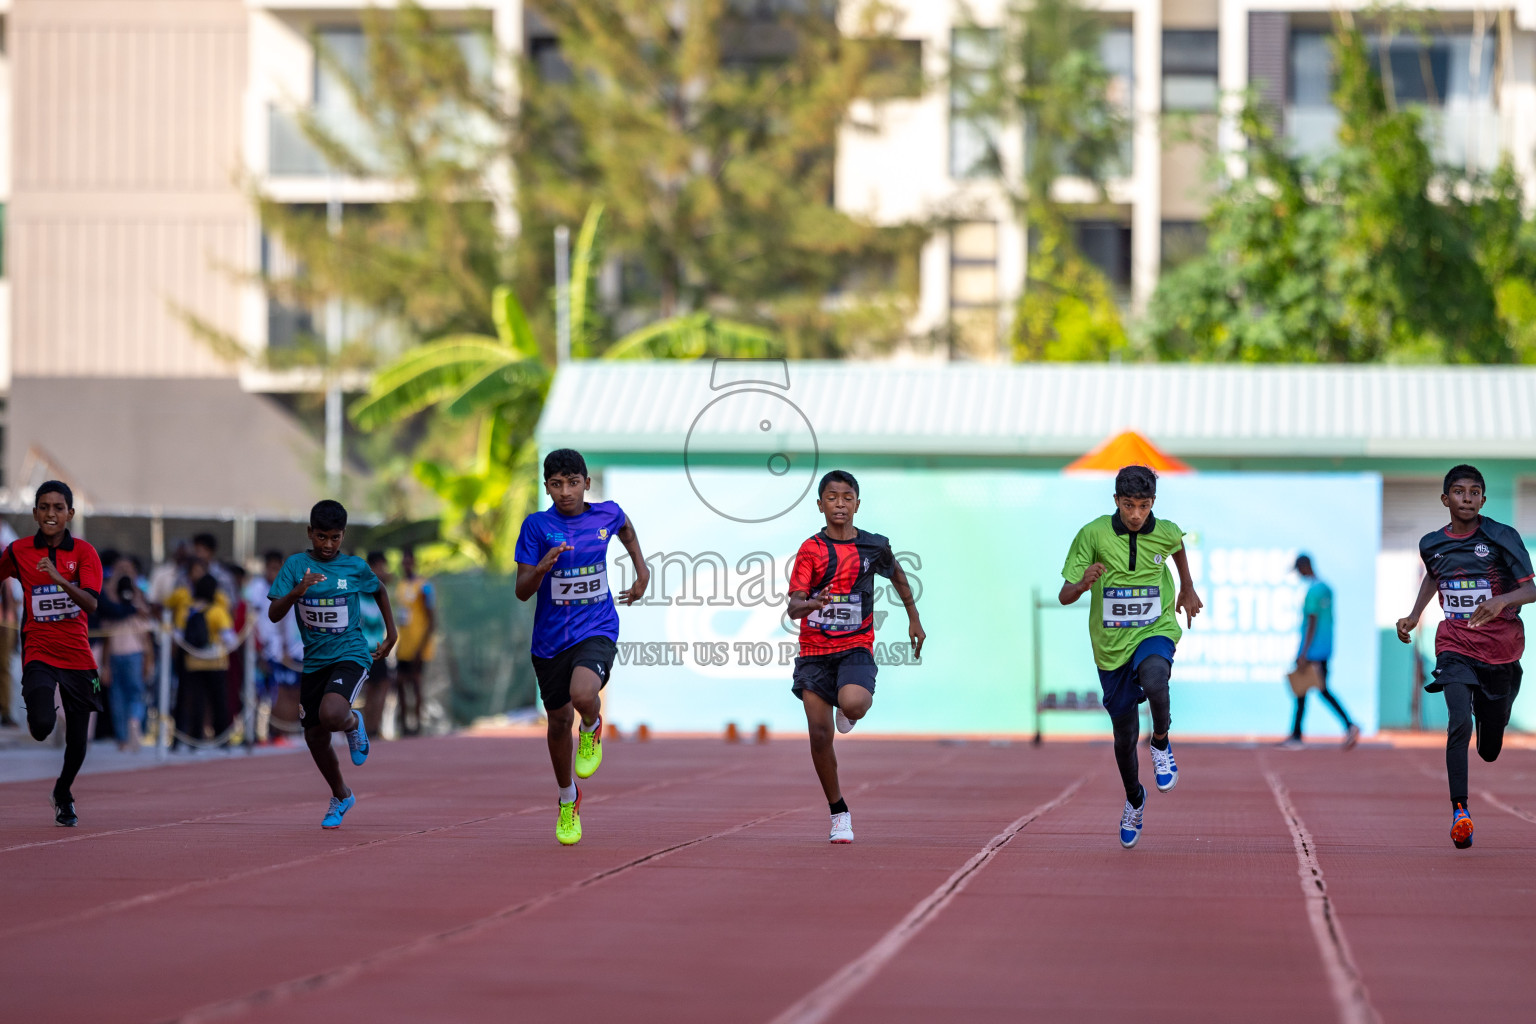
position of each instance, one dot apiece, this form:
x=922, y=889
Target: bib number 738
x=579, y=586
x=1126, y=607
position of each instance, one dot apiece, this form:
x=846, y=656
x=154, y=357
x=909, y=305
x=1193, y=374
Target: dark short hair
x=1463, y=472
x=1135, y=482
x=109, y=556
x=1303, y=557
x=564, y=462
x=54, y=487
x=274, y=556
x=328, y=514
x=376, y=556
x=837, y=476
x=206, y=588
x=206, y=540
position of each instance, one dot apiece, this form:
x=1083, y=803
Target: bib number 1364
x=1131, y=606
x=1460, y=598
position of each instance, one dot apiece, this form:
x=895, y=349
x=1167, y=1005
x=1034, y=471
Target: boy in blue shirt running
x=562, y=556
x=325, y=588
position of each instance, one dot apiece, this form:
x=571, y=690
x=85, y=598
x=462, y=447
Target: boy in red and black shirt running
x=832, y=589
x=60, y=580
x=1483, y=574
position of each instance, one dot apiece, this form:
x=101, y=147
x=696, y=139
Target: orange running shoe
x=1461, y=828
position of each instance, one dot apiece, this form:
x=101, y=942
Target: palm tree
x=503, y=381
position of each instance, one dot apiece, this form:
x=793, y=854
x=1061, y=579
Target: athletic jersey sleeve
x=885, y=561
x=367, y=580
x=810, y=564
x=1079, y=555
x=1318, y=600
x=529, y=549
x=287, y=578
x=1515, y=553
x=1425, y=543
x=90, y=570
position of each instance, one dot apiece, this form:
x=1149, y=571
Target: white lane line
x=825, y=999
x=1348, y=988
x=1523, y=815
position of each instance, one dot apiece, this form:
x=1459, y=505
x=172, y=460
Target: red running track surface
x=986, y=884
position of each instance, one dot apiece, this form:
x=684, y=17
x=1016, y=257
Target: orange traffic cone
x=732, y=734
x=643, y=732
x=762, y=732
x=611, y=732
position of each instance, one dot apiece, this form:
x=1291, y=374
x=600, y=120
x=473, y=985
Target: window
x=1189, y=70
x=973, y=130
x=1118, y=54
x=973, y=287
x=548, y=62
x=1447, y=75
x=1107, y=245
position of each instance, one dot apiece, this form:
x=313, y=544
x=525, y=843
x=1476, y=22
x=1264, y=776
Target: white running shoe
x=1165, y=771
x=843, y=724
x=1351, y=737
x=1130, y=822
x=842, y=827
x=1291, y=743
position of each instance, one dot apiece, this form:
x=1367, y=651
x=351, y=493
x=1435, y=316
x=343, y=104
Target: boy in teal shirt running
x=1123, y=559
x=326, y=588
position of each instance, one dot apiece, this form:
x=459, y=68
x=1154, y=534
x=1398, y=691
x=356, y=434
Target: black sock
x=1141, y=800
x=841, y=807
x=1160, y=746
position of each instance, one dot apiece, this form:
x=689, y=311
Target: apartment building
x=1471, y=68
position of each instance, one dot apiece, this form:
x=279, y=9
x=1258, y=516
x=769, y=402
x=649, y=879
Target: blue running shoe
x=1461, y=828
x=1164, y=771
x=1130, y=822
x=357, y=742
x=337, y=811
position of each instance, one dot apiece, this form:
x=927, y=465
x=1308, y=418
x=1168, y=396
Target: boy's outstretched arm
x=914, y=626
x=1070, y=592
x=530, y=576
x=381, y=597
x=1189, y=602
x=1427, y=588
x=642, y=570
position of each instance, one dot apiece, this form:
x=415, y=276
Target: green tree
x=1048, y=77
x=1371, y=253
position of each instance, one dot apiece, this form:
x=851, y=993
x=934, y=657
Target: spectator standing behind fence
x=206, y=632
x=205, y=549
x=416, y=618
x=376, y=686
x=126, y=623
x=1315, y=650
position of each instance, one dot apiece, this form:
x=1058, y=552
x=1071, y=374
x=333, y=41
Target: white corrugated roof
x=1054, y=409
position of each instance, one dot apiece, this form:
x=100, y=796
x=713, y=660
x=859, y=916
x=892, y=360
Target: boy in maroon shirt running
x=1483, y=574
x=60, y=580
x=831, y=589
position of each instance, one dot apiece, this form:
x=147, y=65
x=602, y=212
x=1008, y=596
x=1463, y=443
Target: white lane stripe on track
x=1523, y=815
x=824, y=1000
x=346, y=972
x=1344, y=981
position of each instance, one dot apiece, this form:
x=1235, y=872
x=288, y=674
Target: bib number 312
x=1126, y=607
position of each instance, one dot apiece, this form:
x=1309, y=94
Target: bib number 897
x=1133, y=610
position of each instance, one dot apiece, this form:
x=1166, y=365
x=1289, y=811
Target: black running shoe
x=64, y=814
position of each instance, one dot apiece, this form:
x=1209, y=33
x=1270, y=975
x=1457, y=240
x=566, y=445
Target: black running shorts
x=344, y=677
x=79, y=688
x=554, y=673
x=825, y=674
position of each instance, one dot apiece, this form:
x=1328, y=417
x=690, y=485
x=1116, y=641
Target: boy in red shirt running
x=832, y=589
x=60, y=579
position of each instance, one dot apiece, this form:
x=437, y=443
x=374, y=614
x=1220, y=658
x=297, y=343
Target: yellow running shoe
x=589, y=750
x=568, y=825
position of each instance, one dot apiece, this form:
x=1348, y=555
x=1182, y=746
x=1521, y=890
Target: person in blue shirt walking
x=562, y=556
x=325, y=588
x=1316, y=648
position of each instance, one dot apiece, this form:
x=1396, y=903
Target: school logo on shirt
x=1157, y=559
x=341, y=584
x=1481, y=550
x=602, y=534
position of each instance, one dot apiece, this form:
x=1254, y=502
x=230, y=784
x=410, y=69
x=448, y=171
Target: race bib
x=50, y=604
x=1131, y=606
x=586, y=585
x=323, y=614
x=1460, y=598
x=843, y=613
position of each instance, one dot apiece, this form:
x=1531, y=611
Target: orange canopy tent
x=1127, y=449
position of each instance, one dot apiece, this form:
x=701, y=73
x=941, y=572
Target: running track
x=986, y=884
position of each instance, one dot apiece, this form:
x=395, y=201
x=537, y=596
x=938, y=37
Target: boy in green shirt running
x=1123, y=559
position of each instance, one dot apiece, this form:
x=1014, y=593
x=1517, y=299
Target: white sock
x=584, y=727
x=568, y=794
